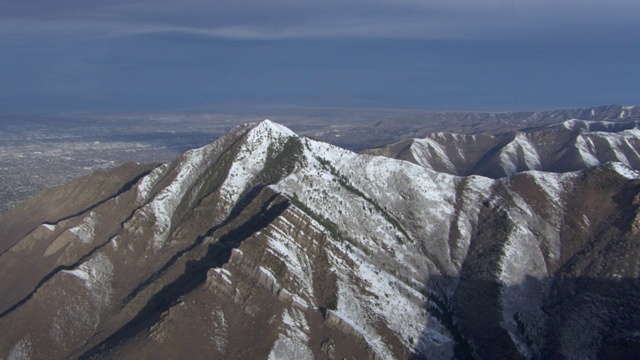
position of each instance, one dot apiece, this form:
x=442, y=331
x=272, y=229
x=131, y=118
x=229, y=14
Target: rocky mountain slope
x=265, y=244
x=569, y=146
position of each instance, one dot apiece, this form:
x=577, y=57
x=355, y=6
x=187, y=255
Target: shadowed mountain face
x=265, y=244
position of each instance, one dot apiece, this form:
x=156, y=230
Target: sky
x=198, y=55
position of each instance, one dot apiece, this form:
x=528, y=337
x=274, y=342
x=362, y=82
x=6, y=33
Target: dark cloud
x=493, y=54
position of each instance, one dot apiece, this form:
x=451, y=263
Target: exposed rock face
x=264, y=244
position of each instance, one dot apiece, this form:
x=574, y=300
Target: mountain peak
x=269, y=126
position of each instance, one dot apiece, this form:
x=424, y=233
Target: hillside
x=265, y=244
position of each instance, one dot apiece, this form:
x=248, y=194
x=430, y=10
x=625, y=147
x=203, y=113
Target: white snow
x=219, y=336
x=522, y=257
x=551, y=184
x=523, y=271
x=49, y=227
x=614, y=143
x=298, y=263
x=633, y=133
x=188, y=169
x=85, y=230
x=405, y=188
x=624, y=170
x=586, y=149
x=147, y=183
x=292, y=343
x=391, y=295
x=572, y=123
x=225, y=274
x=96, y=274
x=429, y=151
x=353, y=310
x=21, y=350
x=275, y=127
x=82, y=312
x=509, y=155
x=586, y=125
x=269, y=274
x=252, y=156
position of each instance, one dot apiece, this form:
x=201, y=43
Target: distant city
x=37, y=152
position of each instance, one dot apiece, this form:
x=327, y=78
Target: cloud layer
x=285, y=19
x=456, y=54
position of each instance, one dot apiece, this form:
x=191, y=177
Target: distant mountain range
x=266, y=244
x=569, y=146
x=398, y=128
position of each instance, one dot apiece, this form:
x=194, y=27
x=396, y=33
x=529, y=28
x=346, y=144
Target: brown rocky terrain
x=265, y=244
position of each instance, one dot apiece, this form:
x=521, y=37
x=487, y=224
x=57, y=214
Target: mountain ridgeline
x=570, y=146
x=265, y=244
x=416, y=126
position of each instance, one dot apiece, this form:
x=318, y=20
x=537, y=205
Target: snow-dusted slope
x=267, y=244
x=569, y=146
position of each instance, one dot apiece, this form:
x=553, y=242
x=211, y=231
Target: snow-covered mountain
x=265, y=244
x=420, y=125
x=569, y=146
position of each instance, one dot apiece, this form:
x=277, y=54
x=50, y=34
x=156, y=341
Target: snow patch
x=96, y=274
x=624, y=170
x=509, y=155
x=49, y=227
x=523, y=271
x=428, y=151
x=586, y=149
x=291, y=253
x=292, y=343
x=551, y=184
x=219, y=337
x=225, y=274
x=81, y=313
x=189, y=169
x=573, y=123
x=85, y=231
x=21, y=350
x=392, y=294
x=522, y=258
x=277, y=128
x=614, y=143
x=148, y=182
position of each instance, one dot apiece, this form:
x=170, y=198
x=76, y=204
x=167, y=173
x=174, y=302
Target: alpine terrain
x=265, y=244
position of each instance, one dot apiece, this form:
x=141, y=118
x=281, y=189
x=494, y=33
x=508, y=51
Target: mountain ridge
x=569, y=146
x=306, y=250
